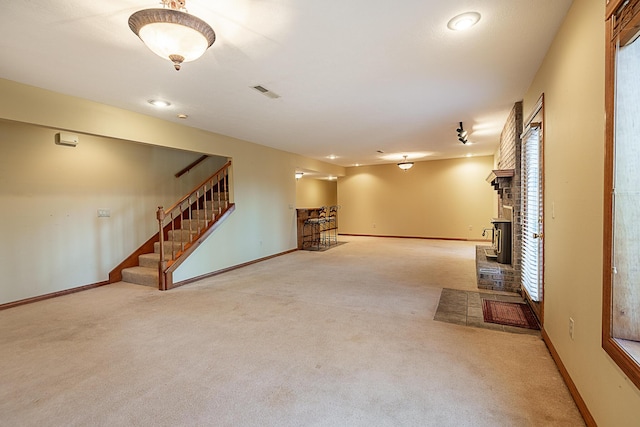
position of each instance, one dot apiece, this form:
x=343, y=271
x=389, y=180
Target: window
x=533, y=208
x=621, y=298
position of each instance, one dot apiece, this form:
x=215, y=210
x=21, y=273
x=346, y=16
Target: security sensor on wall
x=67, y=139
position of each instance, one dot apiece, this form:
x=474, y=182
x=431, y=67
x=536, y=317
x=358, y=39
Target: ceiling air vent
x=266, y=92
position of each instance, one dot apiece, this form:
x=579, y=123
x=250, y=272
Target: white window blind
x=626, y=197
x=531, y=213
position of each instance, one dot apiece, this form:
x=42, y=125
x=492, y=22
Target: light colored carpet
x=344, y=337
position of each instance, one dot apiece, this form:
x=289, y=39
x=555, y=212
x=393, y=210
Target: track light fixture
x=462, y=134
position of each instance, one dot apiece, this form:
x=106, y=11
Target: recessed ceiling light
x=469, y=155
x=332, y=157
x=463, y=21
x=159, y=103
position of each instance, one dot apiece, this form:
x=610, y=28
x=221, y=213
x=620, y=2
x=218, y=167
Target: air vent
x=266, y=92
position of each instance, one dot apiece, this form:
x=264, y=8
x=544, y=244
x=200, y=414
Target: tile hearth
x=465, y=308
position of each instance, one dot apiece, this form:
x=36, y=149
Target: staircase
x=146, y=273
x=182, y=228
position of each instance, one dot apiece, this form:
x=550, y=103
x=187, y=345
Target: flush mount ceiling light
x=463, y=21
x=299, y=175
x=172, y=33
x=462, y=134
x=159, y=103
x=405, y=165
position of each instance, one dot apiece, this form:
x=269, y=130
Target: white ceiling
x=354, y=76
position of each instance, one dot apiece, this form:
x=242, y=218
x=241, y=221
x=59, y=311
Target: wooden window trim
x=622, y=23
x=612, y=6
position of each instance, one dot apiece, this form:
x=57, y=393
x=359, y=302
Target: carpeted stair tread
x=216, y=204
x=169, y=246
x=183, y=235
x=147, y=271
x=202, y=215
x=141, y=275
x=151, y=260
x=193, y=224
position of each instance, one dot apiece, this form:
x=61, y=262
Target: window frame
x=622, y=23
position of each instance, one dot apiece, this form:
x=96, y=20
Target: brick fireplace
x=506, y=181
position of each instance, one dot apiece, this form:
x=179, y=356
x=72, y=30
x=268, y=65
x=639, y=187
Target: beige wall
x=440, y=198
x=314, y=193
x=263, y=183
x=52, y=236
x=572, y=80
x=434, y=199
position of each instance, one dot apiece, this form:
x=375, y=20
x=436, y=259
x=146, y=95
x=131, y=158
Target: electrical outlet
x=571, y=327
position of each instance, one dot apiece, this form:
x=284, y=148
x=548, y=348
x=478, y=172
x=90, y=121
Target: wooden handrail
x=162, y=265
x=210, y=202
x=192, y=165
x=197, y=187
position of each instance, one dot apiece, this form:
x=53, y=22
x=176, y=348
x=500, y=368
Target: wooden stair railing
x=191, y=165
x=182, y=228
x=201, y=208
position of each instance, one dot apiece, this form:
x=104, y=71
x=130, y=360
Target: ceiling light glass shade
x=299, y=175
x=405, y=165
x=172, y=34
x=463, y=21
